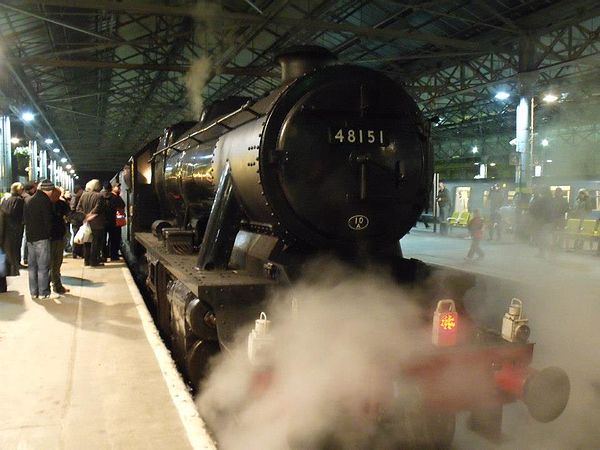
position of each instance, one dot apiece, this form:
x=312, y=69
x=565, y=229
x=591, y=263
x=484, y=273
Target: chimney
x=296, y=61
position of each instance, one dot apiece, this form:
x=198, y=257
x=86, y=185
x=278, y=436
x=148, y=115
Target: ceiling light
x=501, y=95
x=27, y=116
x=550, y=98
x=72, y=171
x=56, y=150
x=15, y=140
x=474, y=149
x=548, y=160
x=545, y=142
x=493, y=164
x=49, y=141
x=68, y=166
x=63, y=160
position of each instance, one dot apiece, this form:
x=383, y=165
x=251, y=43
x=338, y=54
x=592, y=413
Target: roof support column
x=525, y=112
x=34, y=173
x=5, y=154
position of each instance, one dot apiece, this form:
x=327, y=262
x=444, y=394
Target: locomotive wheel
x=197, y=361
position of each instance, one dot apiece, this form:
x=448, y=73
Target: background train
x=336, y=161
x=471, y=194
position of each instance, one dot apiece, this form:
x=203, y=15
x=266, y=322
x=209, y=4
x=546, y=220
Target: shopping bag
x=84, y=234
x=120, y=219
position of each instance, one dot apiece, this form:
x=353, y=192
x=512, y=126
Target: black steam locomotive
x=337, y=160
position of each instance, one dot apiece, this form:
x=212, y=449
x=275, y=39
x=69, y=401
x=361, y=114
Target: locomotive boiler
x=337, y=161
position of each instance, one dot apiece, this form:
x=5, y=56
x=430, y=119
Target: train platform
x=506, y=258
x=88, y=369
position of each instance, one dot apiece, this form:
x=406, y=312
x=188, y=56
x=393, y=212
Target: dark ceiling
x=104, y=76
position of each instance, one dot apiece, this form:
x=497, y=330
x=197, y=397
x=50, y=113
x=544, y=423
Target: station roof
x=103, y=77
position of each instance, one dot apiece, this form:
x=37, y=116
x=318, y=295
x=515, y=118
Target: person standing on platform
x=560, y=207
x=91, y=205
x=540, y=210
x=38, y=222
x=66, y=198
x=29, y=189
x=496, y=202
x=109, y=215
x=475, y=227
x=3, y=285
x=12, y=207
x=116, y=209
x=581, y=210
x=60, y=211
x=443, y=202
x=76, y=220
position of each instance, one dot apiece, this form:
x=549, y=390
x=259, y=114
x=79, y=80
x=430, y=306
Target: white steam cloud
x=341, y=352
x=344, y=349
x=195, y=81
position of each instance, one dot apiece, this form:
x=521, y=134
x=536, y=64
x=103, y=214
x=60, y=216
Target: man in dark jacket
x=38, y=222
x=91, y=205
x=115, y=205
x=12, y=207
x=60, y=212
x=29, y=189
x=443, y=201
x=76, y=220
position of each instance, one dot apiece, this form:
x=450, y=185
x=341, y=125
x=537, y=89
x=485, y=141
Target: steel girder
x=97, y=67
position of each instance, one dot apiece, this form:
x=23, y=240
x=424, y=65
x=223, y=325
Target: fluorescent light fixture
x=15, y=140
x=550, y=98
x=56, y=150
x=545, y=142
x=27, y=116
x=63, y=160
x=474, y=149
x=49, y=141
x=548, y=160
x=537, y=171
x=501, y=95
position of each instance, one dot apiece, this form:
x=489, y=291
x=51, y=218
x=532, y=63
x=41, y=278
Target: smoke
x=343, y=340
x=332, y=360
x=195, y=81
x=563, y=309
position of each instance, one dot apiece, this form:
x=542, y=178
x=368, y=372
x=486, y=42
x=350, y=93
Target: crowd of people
x=539, y=219
x=40, y=223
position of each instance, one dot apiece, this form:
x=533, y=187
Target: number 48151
x=358, y=136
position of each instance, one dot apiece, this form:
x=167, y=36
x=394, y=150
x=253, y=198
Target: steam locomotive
x=336, y=161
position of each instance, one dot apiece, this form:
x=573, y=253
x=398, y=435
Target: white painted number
x=358, y=222
x=359, y=136
x=371, y=136
x=351, y=136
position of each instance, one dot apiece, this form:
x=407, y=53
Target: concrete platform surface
x=88, y=371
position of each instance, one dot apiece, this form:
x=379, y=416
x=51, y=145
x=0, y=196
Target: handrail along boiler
x=337, y=160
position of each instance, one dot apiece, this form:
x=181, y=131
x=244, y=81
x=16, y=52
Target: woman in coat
x=91, y=205
x=12, y=207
